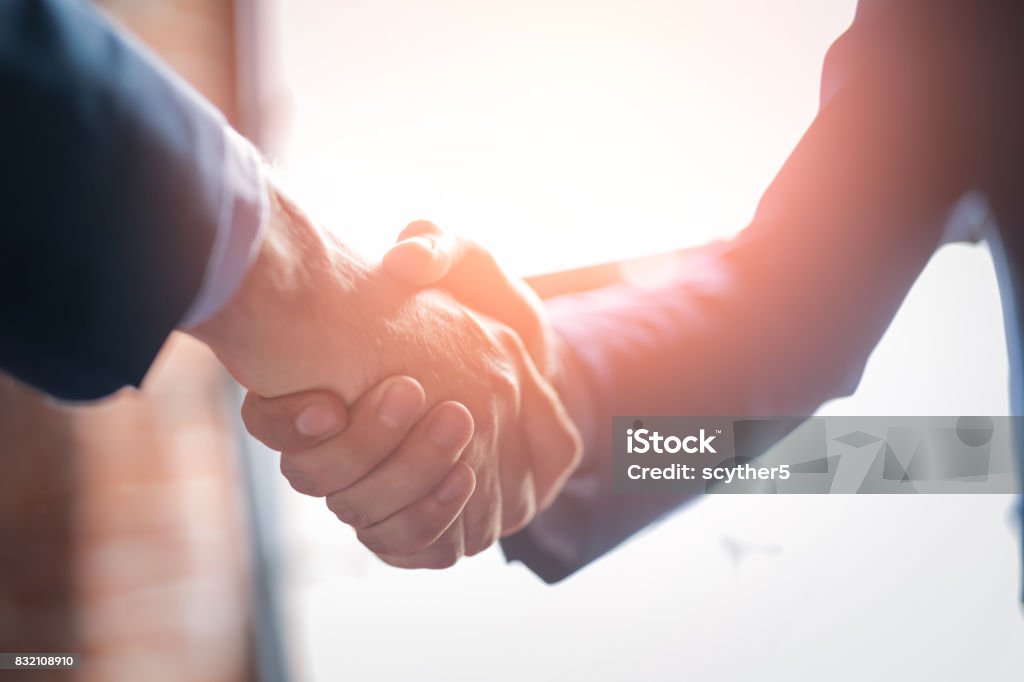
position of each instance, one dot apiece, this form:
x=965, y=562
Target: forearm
x=723, y=340
x=780, y=319
x=313, y=313
x=304, y=290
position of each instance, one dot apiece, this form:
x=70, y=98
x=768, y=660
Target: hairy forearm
x=303, y=285
x=312, y=313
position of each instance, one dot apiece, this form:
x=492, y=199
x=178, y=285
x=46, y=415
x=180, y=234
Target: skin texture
x=424, y=256
x=427, y=256
x=312, y=315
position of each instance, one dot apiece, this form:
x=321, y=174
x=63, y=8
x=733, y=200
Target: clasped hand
x=429, y=469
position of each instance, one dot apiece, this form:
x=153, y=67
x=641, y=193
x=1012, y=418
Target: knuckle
x=537, y=345
x=437, y=459
x=572, y=453
x=347, y=512
x=503, y=386
x=417, y=536
x=375, y=543
x=478, y=544
x=300, y=478
x=519, y=517
x=446, y=560
x=444, y=552
x=506, y=338
x=394, y=561
x=424, y=533
x=515, y=525
x=512, y=530
x=444, y=556
x=481, y=256
x=430, y=559
x=409, y=545
x=304, y=486
x=564, y=452
x=250, y=415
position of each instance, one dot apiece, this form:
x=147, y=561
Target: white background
x=566, y=132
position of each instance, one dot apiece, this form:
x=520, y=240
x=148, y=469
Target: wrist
x=300, y=288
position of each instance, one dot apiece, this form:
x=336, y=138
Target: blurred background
x=149, y=534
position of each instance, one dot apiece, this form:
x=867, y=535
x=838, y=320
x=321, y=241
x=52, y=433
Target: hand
x=426, y=256
x=312, y=314
x=324, y=447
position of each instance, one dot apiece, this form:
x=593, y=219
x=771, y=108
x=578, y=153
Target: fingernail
x=449, y=427
x=451, y=488
x=316, y=419
x=400, y=403
x=426, y=242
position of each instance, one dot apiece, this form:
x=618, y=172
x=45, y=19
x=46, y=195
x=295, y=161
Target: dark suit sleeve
x=110, y=191
x=785, y=316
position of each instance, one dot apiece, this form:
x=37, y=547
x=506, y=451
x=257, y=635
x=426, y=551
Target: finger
x=420, y=228
x=482, y=515
x=378, y=422
x=427, y=255
x=553, y=441
x=477, y=281
x=296, y=421
x=420, y=524
x=417, y=466
x=423, y=255
x=443, y=553
x=469, y=270
x=518, y=501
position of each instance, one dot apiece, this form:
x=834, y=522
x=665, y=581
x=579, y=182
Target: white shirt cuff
x=244, y=213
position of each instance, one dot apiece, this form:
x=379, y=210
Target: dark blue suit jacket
x=922, y=101
x=111, y=183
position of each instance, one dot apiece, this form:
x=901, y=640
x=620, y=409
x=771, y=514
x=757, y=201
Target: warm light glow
x=564, y=132
x=556, y=133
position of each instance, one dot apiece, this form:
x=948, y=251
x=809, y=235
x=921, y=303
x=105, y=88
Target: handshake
x=419, y=398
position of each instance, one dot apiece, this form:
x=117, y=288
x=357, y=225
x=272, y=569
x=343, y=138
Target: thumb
x=297, y=421
x=423, y=255
x=428, y=256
